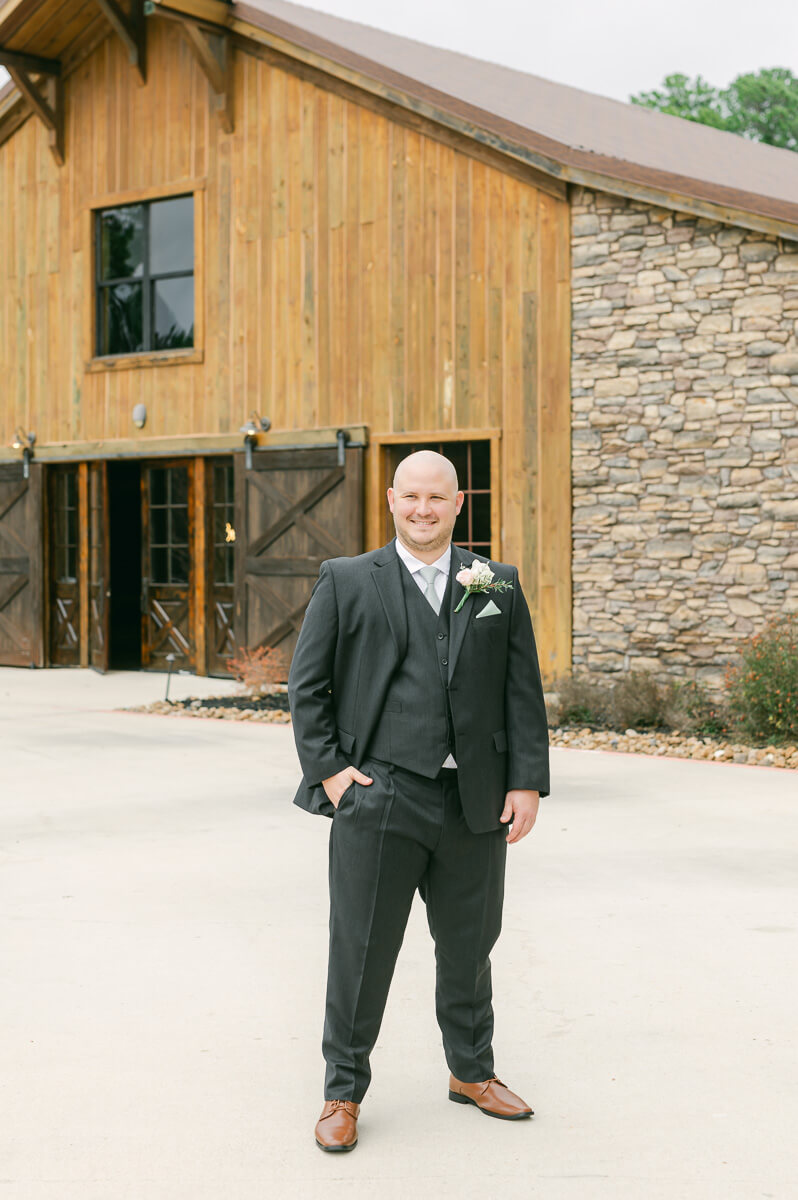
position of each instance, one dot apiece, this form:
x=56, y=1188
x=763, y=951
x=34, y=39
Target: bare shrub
x=583, y=699
x=260, y=671
x=637, y=702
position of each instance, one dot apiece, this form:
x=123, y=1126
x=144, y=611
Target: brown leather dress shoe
x=491, y=1097
x=336, y=1128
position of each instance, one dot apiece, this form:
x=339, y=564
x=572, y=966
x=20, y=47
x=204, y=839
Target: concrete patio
x=164, y=918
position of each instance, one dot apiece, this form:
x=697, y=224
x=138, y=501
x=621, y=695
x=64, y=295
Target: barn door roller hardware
x=45, y=95
x=213, y=49
x=24, y=442
x=255, y=425
x=342, y=438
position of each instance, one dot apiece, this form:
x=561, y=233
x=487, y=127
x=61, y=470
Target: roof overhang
x=212, y=26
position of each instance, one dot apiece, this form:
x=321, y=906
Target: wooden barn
x=251, y=254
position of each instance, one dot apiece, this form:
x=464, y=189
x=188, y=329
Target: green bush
x=763, y=687
x=760, y=704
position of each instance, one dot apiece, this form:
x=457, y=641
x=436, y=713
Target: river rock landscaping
x=273, y=709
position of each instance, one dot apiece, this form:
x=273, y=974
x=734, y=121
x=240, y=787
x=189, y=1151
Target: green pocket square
x=490, y=610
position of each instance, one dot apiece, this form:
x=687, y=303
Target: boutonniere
x=479, y=578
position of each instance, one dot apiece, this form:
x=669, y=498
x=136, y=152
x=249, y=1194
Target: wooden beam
x=51, y=114
x=211, y=45
x=214, y=53
x=34, y=97
x=209, y=13
x=130, y=28
x=178, y=446
x=31, y=63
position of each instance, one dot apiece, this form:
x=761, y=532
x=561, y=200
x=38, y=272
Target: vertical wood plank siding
x=354, y=271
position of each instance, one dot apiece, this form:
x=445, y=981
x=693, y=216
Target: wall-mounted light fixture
x=140, y=415
x=255, y=425
x=24, y=442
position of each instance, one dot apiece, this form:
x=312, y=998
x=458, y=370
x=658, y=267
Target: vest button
x=441, y=636
x=445, y=662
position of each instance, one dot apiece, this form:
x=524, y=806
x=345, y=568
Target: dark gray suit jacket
x=352, y=639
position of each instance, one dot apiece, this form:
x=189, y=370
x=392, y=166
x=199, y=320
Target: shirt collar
x=414, y=564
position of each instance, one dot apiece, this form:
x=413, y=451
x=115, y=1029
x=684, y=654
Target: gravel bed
x=674, y=744
x=273, y=709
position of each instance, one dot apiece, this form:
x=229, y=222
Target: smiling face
x=425, y=501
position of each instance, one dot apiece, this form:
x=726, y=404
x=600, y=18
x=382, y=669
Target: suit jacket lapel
x=388, y=580
x=458, y=622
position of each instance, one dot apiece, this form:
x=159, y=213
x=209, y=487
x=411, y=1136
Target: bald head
x=427, y=464
x=425, y=501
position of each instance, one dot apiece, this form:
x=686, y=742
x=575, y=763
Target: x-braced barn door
x=167, y=593
x=99, y=567
x=296, y=508
x=21, y=557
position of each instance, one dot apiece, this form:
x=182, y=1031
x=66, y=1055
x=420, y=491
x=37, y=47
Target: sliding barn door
x=294, y=509
x=21, y=563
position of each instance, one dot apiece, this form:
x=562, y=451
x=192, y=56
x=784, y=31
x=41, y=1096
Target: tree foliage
x=761, y=106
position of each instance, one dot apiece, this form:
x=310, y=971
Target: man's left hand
x=520, y=807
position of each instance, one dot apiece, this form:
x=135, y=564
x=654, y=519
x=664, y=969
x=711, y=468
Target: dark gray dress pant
x=401, y=833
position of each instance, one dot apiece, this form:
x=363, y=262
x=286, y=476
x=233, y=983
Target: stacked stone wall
x=685, y=437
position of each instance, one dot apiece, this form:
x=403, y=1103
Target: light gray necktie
x=429, y=575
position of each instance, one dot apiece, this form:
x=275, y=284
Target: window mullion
x=98, y=294
x=145, y=286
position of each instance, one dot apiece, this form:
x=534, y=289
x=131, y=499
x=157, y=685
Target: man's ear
x=390, y=499
x=458, y=501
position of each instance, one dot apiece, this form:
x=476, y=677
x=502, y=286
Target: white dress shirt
x=414, y=565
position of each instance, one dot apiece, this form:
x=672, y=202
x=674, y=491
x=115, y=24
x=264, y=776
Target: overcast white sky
x=614, y=47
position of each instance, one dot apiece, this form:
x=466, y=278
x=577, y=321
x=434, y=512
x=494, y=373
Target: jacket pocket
x=392, y=706
x=346, y=740
x=500, y=741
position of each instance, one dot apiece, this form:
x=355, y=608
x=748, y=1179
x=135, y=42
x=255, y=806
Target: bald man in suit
x=421, y=730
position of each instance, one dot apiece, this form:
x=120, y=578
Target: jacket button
x=441, y=636
x=445, y=662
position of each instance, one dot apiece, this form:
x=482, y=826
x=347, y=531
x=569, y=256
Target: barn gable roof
x=569, y=134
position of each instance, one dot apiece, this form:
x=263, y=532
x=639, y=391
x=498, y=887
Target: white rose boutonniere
x=479, y=578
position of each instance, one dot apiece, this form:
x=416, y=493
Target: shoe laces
x=348, y=1105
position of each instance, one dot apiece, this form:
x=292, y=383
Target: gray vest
x=415, y=729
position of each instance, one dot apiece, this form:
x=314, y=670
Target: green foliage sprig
x=763, y=687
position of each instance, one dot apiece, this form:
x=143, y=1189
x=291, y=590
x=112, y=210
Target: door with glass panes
x=64, y=565
x=220, y=503
x=167, y=570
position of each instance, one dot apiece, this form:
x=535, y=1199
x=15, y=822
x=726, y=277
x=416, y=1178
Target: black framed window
x=471, y=460
x=145, y=276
